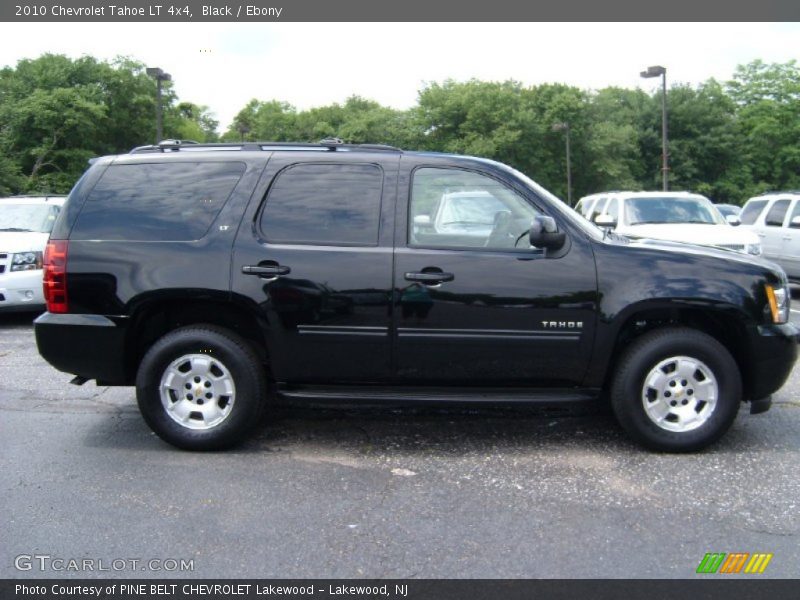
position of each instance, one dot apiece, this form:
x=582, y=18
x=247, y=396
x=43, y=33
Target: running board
x=399, y=395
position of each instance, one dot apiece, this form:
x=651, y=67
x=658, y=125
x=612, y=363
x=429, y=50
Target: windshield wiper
x=14, y=229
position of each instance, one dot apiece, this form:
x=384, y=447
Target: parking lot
x=381, y=493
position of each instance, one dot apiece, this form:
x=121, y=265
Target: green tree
x=56, y=113
x=768, y=100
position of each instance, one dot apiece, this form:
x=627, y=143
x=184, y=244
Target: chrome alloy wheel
x=680, y=393
x=197, y=391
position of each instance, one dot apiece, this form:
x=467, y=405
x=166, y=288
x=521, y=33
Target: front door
x=474, y=302
x=790, y=247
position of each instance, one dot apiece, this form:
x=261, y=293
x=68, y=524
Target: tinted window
x=455, y=209
x=751, y=211
x=776, y=213
x=324, y=204
x=174, y=201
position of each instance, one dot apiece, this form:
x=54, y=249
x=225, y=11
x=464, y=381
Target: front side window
x=597, y=209
x=795, y=212
x=451, y=208
x=612, y=210
x=751, y=211
x=324, y=204
x=171, y=201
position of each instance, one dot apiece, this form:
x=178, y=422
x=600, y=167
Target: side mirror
x=605, y=221
x=422, y=220
x=735, y=221
x=795, y=223
x=545, y=234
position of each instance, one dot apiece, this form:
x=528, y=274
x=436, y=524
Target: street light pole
x=159, y=75
x=658, y=71
x=565, y=128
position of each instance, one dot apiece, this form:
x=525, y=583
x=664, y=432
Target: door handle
x=787, y=238
x=761, y=235
x=430, y=278
x=266, y=271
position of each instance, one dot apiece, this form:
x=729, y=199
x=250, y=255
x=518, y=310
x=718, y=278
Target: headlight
x=778, y=299
x=26, y=261
x=754, y=249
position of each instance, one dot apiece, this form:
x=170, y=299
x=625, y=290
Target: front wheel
x=201, y=388
x=676, y=390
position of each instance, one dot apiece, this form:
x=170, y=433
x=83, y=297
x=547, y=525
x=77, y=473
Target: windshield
x=671, y=209
x=27, y=217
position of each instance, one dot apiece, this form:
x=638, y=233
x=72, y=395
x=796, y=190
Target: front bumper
x=771, y=359
x=21, y=290
x=91, y=346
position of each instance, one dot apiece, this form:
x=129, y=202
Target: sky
x=224, y=65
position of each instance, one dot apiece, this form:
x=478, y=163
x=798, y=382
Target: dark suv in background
x=216, y=278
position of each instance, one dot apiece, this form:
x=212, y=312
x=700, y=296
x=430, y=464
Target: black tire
x=229, y=355
x=640, y=359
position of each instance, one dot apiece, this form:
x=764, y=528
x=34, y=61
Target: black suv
x=219, y=277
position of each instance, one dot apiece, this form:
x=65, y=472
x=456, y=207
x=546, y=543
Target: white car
x=25, y=224
x=775, y=218
x=672, y=216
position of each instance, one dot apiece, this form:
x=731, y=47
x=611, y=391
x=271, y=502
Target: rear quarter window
x=777, y=213
x=175, y=201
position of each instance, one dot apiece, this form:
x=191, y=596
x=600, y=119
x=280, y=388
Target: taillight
x=55, y=276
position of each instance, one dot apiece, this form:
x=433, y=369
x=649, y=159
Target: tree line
x=728, y=140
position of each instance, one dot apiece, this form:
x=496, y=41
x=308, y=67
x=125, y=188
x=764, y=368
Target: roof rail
x=328, y=144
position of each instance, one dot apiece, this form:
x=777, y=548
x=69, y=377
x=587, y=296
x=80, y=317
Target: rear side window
x=751, y=211
x=776, y=213
x=324, y=204
x=175, y=201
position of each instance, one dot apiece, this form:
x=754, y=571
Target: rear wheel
x=201, y=388
x=676, y=390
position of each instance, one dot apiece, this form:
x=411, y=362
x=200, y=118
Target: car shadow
x=389, y=431
x=452, y=431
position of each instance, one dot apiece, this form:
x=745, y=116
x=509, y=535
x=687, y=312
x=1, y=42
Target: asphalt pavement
x=378, y=493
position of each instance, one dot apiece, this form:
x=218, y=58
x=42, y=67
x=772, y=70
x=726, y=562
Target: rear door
x=474, y=303
x=314, y=258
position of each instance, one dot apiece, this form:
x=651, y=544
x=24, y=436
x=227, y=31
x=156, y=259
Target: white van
x=25, y=224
